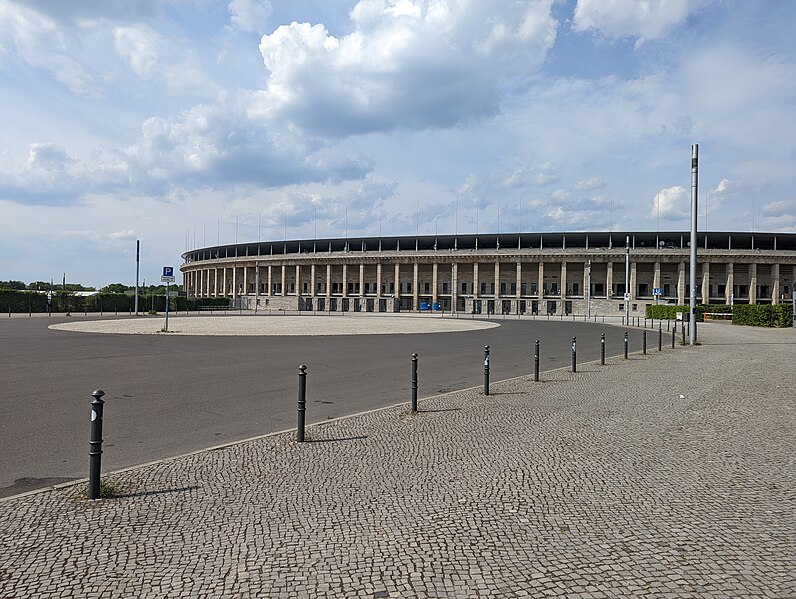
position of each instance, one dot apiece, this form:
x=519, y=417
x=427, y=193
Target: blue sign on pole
x=168, y=271
x=657, y=291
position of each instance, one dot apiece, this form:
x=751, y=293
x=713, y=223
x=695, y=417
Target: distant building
x=540, y=273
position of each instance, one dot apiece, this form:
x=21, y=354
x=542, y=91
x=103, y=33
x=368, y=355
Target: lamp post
x=627, y=279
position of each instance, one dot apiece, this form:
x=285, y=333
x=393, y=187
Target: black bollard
x=682, y=328
x=486, y=370
x=302, y=403
x=414, y=383
x=574, y=355
x=536, y=362
x=602, y=349
x=644, y=342
x=625, y=345
x=660, y=336
x=95, y=445
x=674, y=332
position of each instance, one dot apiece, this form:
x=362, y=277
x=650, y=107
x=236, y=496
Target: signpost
x=657, y=292
x=168, y=278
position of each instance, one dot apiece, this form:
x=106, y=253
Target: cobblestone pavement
x=666, y=475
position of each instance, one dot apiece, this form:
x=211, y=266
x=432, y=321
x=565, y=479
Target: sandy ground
x=278, y=325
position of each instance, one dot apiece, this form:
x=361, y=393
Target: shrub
x=763, y=315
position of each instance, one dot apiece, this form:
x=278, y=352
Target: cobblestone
x=666, y=475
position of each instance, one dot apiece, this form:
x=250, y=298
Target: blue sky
x=182, y=122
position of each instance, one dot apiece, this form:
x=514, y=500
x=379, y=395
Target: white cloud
x=407, y=64
x=671, y=203
x=642, y=19
x=590, y=184
x=249, y=15
x=138, y=46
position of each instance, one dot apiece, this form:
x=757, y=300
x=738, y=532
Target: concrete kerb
x=291, y=431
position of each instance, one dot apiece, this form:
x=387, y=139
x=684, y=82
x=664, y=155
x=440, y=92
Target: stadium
x=520, y=273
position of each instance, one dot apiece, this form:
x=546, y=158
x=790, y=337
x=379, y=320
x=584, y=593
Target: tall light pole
x=627, y=280
x=137, y=267
x=692, y=295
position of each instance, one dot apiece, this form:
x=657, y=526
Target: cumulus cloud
x=410, y=64
x=642, y=19
x=138, y=46
x=249, y=15
x=671, y=203
x=590, y=184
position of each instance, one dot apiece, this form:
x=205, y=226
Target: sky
x=185, y=123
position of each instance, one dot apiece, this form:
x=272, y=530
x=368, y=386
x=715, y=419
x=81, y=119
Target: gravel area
x=279, y=325
x=670, y=474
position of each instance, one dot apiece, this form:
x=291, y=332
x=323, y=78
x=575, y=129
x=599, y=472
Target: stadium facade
x=539, y=273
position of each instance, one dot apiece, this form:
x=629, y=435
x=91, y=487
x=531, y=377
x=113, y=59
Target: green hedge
x=763, y=315
x=64, y=301
x=669, y=312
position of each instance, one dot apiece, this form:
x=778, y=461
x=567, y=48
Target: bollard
x=660, y=336
x=9, y=311
x=644, y=342
x=574, y=355
x=602, y=349
x=95, y=445
x=302, y=403
x=682, y=328
x=625, y=345
x=414, y=383
x=486, y=370
x=673, y=334
x=536, y=362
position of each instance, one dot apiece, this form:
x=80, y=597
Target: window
x=483, y=288
x=464, y=287
x=426, y=288
x=575, y=289
x=392, y=287
x=502, y=289
x=444, y=288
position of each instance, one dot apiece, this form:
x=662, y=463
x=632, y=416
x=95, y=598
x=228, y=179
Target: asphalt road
x=171, y=395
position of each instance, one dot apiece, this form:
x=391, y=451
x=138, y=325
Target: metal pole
x=602, y=349
x=414, y=383
x=644, y=342
x=137, y=267
x=95, y=445
x=625, y=345
x=167, y=305
x=588, y=290
x=692, y=305
x=536, y=362
x=627, y=280
x=660, y=336
x=674, y=332
x=574, y=355
x=486, y=370
x=302, y=402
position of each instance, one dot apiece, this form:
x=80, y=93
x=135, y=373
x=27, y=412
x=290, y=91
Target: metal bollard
x=644, y=342
x=536, y=362
x=486, y=370
x=660, y=336
x=302, y=403
x=625, y=345
x=414, y=383
x=682, y=328
x=673, y=334
x=574, y=355
x=602, y=349
x=95, y=445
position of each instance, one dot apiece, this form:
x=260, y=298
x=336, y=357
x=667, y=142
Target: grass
x=107, y=489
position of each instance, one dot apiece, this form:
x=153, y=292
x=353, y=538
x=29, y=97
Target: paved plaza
x=669, y=474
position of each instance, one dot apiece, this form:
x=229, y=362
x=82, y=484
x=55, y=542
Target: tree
x=115, y=288
x=12, y=285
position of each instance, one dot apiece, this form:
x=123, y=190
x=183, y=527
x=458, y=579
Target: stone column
x=224, y=281
x=729, y=284
x=609, y=280
x=753, y=283
x=361, y=279
x=284, y=281
x=586, y=290
x=246, y=282
x=475, y=281
x=455, y=283
x=563, y=280
x=378, y=282
x=775, y=286
x=705, y=283
x=518, y=284
x=328, y=285
x=397, y=281
x=633, y=280
x=415, y=300
x=656, y=276
x=270, y=281
x=540, y=284
x=345, y=280
x=298, y=280
x=498, y=309
x=434, y=273
x=681, y=284
x=313, y=284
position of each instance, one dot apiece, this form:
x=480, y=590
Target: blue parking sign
x=168, y=271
